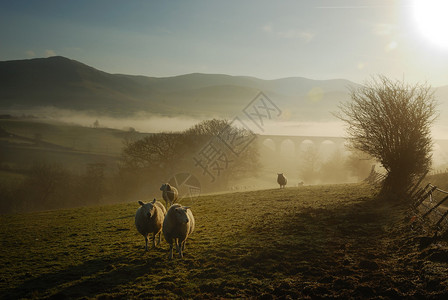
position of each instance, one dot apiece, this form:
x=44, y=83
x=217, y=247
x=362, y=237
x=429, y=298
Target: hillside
x=62, y=83
x=321, y=241
x=67, y=84
x=24, y=142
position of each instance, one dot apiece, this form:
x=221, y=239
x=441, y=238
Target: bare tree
x=158, y=151
x=208, y=128
x=391, y=121
x=240, y=152
x=164, y=154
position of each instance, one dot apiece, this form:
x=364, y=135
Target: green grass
x=71, y=136
x=70, y=145
x=312, y=241
x=100, y=140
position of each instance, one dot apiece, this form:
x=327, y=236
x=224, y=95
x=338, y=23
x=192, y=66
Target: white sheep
x=169, y=194
x=177, y=226
x=149, y=219
x=281, y=180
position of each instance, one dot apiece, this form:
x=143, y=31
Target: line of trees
x=159, y=156
x=388, y=120
x=143, y=166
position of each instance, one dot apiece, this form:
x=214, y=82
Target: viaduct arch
x=290, y=145
x=277, y=143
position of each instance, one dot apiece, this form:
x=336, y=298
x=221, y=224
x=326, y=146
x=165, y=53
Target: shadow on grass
x=328, y=250
x=88, y=279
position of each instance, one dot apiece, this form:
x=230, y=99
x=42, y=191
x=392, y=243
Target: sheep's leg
x=179, y=247
x=171, y=249
x=146, y=243
x=153, y=239
x=160, y=237
x=183, y=245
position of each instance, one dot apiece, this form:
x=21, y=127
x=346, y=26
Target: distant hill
x=23, y=142
x=67, y=84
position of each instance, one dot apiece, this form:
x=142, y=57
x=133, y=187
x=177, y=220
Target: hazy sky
x=324, y=39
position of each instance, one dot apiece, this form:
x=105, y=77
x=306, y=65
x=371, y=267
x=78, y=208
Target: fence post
x=418, y=183
x=420, y=201
x=435, y=206
x=420, y=192
x=443, y=217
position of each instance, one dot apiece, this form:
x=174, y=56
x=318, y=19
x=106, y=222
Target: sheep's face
x=165, y=187
x=181, y=215
x=148, y=208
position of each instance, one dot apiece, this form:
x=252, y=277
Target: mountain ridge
x=65, y=83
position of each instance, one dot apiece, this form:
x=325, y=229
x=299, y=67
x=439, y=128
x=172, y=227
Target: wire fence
x=430, y=206
x=374, y=177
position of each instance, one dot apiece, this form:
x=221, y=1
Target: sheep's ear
x=186, y=207
x=168, y=187
x=154, y=201
x=141, y=203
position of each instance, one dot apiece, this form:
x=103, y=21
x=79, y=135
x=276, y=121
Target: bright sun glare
x=432, y=20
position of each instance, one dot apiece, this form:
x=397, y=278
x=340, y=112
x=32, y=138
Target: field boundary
x=429, y=204
x=374, y=177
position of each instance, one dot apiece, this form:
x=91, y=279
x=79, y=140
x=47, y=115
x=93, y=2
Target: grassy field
x=27, y=141
x=69, y=136
x=317, y=241
x=439, y=180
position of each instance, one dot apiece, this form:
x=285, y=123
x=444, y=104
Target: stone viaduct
x=284, y=144
x=280, y=144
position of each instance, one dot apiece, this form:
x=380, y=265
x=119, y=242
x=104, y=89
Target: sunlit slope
x=309, y=241
x=24, y=142
x=69, y=136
